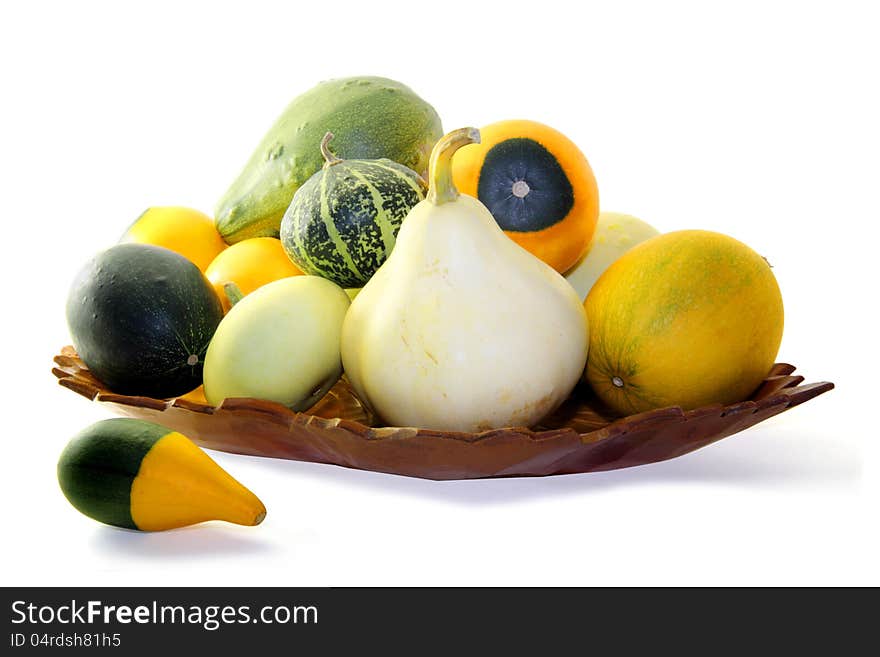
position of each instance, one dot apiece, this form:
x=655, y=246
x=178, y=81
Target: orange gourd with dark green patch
x=538, y=186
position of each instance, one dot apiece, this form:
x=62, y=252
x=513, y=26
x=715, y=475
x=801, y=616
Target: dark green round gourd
x=343, y=222
x=141, y=318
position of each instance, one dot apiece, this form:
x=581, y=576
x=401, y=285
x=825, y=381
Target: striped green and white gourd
x=343, y=222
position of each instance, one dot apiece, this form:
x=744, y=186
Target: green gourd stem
x=441, y=189
x=329, y=158
x=233, y=293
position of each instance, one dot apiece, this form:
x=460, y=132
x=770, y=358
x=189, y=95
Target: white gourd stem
x=441, y=188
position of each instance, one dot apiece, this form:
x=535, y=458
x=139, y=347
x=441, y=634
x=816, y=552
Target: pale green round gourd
x=616, y=233
x=279, y=343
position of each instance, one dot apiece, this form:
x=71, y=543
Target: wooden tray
x=581, y=436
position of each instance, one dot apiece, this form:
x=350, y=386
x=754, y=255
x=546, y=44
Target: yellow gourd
x=183, y=230
x=249, y=264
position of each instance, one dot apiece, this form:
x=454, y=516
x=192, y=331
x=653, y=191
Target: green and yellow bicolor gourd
x=537, y=184
x=139, y=475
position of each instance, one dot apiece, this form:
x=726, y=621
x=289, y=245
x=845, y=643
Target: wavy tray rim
x=343, y=441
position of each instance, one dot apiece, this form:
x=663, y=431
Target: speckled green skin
x=141, y=318
x=99, y=465
x=343, y=222
x=370, y=118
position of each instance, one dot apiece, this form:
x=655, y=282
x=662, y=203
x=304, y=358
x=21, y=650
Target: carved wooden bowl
x=581, y=436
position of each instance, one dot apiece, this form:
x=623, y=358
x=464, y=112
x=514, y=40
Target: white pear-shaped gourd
x=461, y=329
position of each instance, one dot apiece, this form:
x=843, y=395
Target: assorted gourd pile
x=461, y=282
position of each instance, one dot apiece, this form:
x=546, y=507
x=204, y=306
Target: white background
x=759, y=120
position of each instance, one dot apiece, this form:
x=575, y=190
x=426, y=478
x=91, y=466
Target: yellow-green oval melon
x=688, y=319
x=280, y=343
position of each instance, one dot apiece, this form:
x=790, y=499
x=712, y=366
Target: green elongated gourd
x=139, y=475
x=343, y=222
x=371, y=117
x=141, y=318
